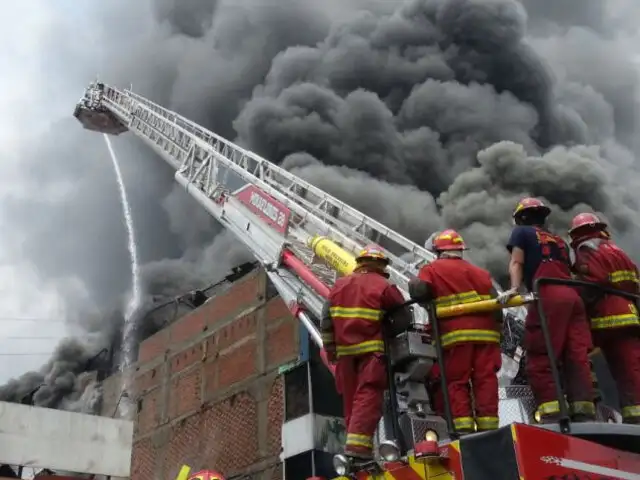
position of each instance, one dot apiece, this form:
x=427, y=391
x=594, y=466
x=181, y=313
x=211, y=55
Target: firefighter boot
x=582, y=417
x=358, y=454
x=359, y=460
x=632, y=421
x=549, y=418
x=583, y=412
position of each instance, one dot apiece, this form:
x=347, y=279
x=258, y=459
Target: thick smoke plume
x=421, y=113
x=452, y=104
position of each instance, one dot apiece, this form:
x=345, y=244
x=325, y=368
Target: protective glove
x=504, y=297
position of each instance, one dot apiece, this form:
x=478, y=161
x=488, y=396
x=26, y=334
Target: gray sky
x=59, y=214
x=25, y=109
x=63, y=255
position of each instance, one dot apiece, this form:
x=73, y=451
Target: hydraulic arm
x=270, y=210
x=303, y=236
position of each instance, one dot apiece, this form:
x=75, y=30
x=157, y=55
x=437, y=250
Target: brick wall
x=208, y=390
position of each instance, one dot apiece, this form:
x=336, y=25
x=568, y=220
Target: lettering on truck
x=271, y=211
x=268, y=209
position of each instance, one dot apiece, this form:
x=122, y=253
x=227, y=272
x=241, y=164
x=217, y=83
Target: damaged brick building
x=214, y=388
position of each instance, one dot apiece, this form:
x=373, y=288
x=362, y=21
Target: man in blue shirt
x=535, y=253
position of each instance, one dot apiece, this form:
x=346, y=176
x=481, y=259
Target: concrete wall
x=46, y=438
x=208, y=388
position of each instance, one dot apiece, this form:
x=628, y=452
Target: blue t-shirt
x=527, y=238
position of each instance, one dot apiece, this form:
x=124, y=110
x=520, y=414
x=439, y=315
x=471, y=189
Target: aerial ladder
x=304, y=239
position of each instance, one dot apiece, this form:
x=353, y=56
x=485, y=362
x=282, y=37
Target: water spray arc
x=135, y=300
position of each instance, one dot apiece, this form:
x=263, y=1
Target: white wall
x=46, y=438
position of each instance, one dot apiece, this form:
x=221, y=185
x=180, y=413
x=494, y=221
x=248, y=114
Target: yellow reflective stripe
x=549, y=408
x=359, y=440
x=615, y=321
x=458, y=336
x=464, y=423
x=370, y=346
x=465, y=297
x=423, y=470
x=631, y=411
x=588, y=408
x=488, y=423
x=623, y=276
x=363, y=313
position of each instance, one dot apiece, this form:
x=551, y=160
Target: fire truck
x=305, y=238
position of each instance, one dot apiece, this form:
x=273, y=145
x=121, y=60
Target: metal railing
x=565, y=419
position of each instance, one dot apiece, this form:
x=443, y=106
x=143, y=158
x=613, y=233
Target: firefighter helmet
x=373, y=252
x=584, y=221
x=206, y=475
x=527, y=205
x=448, y=240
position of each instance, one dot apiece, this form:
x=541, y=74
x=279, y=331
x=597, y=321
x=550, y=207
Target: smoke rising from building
x=423, y=114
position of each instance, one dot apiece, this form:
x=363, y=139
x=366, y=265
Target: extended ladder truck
x=304, y=238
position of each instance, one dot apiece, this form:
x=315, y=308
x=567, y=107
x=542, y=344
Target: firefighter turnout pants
x=472, y=368
x=570, y=337
x=362, y=381
x=621, y=350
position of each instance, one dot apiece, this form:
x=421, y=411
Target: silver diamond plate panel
x=516, y=404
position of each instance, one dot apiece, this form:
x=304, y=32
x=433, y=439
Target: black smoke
x=423, y=113
x=452, y=97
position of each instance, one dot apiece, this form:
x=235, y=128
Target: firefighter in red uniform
x=615, y=325
x=353, y=335
x=471, y=343
x=535, y=253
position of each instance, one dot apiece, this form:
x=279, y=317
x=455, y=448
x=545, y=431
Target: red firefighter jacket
x=454, y=281
x=356, y=307
x=599, y=260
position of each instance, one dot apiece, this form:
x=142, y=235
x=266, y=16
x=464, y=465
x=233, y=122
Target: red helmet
x=531, y=204
x=448, y=240
x=586, y=221
x=373, y=252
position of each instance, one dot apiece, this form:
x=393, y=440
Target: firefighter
x=615, y=325
x=470, y=343
x=353, y=326
x=535, y=253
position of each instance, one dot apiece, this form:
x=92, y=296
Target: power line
x=26, y=354
x=24, y=319
x=32, y=338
